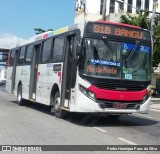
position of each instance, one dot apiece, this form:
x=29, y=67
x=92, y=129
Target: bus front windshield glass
x=112, y=59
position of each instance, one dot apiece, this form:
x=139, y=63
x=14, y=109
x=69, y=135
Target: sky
x=18, y=18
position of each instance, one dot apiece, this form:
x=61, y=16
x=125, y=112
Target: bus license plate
x=119, y=106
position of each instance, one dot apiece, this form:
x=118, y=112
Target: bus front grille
x=110, y=85
x=116, y=84
x=119, y=105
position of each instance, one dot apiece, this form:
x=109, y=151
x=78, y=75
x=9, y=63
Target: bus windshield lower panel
x=118, y=60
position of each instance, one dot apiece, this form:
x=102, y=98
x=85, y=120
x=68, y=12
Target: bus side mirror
x=78, y=49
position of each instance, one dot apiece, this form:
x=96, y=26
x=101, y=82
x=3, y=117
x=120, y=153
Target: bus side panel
x=23, y=76
x=43, y=88
x=82, y=103
x=56, y=76
x=46, y=79
x=9, y=79
x=25, y=79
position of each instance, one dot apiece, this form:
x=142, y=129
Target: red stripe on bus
x=38, y=75
x=45, y=36
x=119, y=24
x=118, y=95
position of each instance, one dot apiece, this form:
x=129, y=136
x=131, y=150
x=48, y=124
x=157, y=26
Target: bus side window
x=58, y=49
x=21, y=59
x=29, y=54
x=46, y=50
x=12, y=57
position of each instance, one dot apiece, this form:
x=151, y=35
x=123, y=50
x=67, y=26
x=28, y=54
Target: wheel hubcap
x=19, y=97
x=57, y=104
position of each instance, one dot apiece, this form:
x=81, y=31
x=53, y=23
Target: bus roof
x=119, y=24
x=56, y=32
x=69, y=28
x=48, y=34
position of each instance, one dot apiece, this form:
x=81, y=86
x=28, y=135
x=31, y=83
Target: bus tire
x=113, y=117
x=59, y=113
x=20, y=100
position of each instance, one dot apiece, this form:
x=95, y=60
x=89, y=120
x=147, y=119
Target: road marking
x=146, y=116
x=126, y=141
x=155, y=110
x=101, y=130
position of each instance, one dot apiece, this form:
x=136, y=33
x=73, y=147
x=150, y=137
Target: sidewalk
x=155, y=103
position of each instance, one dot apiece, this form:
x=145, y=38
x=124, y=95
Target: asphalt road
x=33, y=124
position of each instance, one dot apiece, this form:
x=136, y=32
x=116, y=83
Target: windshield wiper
x=132, y=52
x=105, y=40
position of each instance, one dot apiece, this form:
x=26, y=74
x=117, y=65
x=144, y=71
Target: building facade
x=92, y=9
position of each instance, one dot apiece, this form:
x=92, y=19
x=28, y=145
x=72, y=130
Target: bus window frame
x=119, y=39
x=19, y=52
x=64, y=46
x=11, y=64
x=31, y=54
x=41, y=50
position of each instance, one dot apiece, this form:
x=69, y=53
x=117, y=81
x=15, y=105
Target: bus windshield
x=112, y=59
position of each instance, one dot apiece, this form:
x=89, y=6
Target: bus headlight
x=83, y=90
x=87, y=92
x=145, y=98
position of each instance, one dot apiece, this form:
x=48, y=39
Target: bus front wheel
x=56, y=107
x=20, y=100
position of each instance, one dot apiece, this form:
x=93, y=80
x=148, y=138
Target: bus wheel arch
x=55, y=103
x=53, y=92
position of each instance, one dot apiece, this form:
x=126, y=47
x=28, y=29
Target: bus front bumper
x=85, y=104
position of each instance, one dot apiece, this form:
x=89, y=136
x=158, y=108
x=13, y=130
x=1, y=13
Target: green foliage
x=39, y=30
x=141, y=20
x=156, y=47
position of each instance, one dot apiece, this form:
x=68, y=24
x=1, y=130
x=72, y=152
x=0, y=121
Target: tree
x=156, y=39
x=141, y=20
x=39, y=30
x=144, y=21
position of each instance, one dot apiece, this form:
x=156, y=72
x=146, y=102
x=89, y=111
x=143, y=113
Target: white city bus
x=92, y=67
x=3, y=65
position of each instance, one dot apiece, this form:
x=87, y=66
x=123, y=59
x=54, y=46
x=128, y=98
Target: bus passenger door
x=34, y=72
x=14, y=72
x=67, y=72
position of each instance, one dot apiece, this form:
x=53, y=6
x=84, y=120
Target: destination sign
x=118, y=31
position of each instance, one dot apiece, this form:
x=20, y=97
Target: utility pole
x=153, y=17
x=104, y=10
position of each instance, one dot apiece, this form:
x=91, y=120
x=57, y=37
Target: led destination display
x=118, y=31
